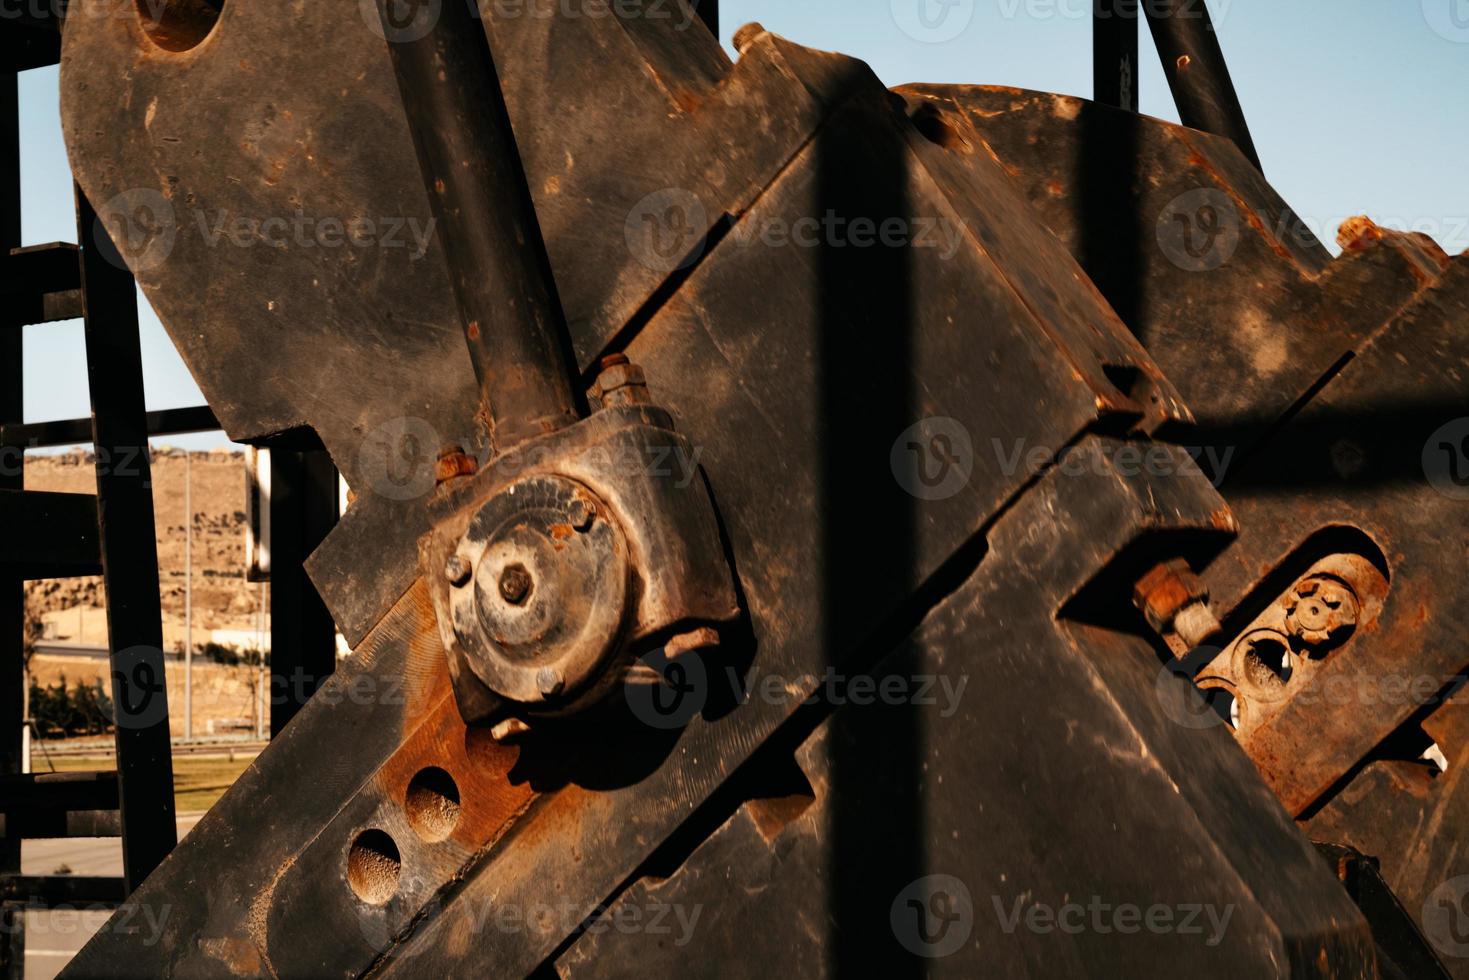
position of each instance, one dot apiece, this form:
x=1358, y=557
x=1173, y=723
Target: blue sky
x=1356, y=107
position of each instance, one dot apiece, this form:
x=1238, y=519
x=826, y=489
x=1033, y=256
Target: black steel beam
x=129, y=552
x=512, y=317
x=708, y=11
x=1114, y=53
x=63, y=790
x=47, y=535
x=59, y=804
x=51, y=268
x=49, y=891
x=303, y=636
x=77, y=432
x=12, y=409
x=1197, y=74
x=29, y=38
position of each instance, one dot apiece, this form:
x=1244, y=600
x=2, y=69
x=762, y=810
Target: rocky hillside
x=72, y=608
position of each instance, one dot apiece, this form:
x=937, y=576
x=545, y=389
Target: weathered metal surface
x=376, y=326
x=1226, y=286
x=1193, y=62
x=618, y=551
x=1169, y=814
x=898, y=438
x=1319, y=389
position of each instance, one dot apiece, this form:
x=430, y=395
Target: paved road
x=53, y=937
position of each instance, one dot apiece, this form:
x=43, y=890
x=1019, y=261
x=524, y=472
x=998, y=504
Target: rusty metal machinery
x=798, y=525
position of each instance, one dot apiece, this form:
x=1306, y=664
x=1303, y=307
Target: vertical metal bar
x=708, y=11
x=129, y=550
x=12, y=942
x=513, y=320
x=12, y=463
x=1197, y=74
x=303, y=637
x=1114, y=53
x=188, y=596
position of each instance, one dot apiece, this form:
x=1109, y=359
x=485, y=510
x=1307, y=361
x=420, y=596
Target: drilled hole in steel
x=373, y=866
x=936, y=129
x=178, y=25
x=432, y=804
x=1269, y=660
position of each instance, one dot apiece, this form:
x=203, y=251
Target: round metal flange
x=540, y=614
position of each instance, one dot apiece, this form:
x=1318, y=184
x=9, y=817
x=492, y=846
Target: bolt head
x=457, y=571
x=549, y=681
x=1320, y=611
x=508, y=730
x=581, y=514
x=515, y=584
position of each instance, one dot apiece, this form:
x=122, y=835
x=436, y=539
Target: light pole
x=188, y=595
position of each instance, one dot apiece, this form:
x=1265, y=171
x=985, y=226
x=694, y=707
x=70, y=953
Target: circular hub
x=540, y=613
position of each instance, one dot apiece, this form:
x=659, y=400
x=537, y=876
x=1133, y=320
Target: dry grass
x=198, y=780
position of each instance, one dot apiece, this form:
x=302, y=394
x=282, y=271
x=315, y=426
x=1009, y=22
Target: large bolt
x=1321, y=610
x=515, y=584
x=457, y=571
x=549, y=681
x=1175, y=601
x=745, y=36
